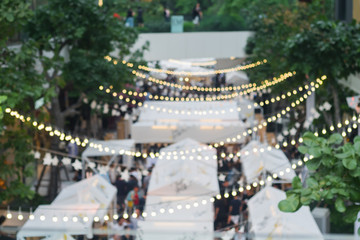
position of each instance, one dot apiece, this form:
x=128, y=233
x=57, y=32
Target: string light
x=121, y=152
x=187, y=73
x=192, y=88
x=197, y=99
x=207, y=63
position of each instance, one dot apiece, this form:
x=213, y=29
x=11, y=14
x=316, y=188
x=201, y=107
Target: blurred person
x=129, y=21
x=146, y=181
x=235, y=210
x=197, y=14
x=122, y=191
x=139, y=17
x=166, y=14
x=133, y=199
x=135, y=220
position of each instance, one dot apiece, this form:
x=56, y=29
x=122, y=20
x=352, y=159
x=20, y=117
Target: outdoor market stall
x=257, y=159
x=73, y=210
x=183, y=188
x=268, y=222
x=202, y=121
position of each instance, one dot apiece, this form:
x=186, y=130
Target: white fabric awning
x=88, y=198
x=268, y=222
x=43, y=224
x=254, y=162
x=221, y=121
x=237, y=78
x=185, y=175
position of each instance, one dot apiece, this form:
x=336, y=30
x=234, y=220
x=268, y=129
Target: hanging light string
x=203, y=73
x=268, y=120
x=197, y=99
x=191, y=88
x=53, y=132
x=234, y=192
x=153, y=209
x=254, y=129
x=188, y=73
x=202, y=64
x=62, y=136
x=181, y=111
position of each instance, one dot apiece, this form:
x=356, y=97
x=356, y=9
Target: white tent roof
x=246, y=112
x=274, y=161
x=48, y=227
x=93, y=190
x=117, y=145
x=90, y=197
x=237, y=78
x=206, y=132
x=194, y=223
x=268, y=222
x=174, y=176
x=159, y=126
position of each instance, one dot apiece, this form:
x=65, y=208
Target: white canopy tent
x=182, y=181
x=185, y=176
x=202, y=121
x=194, y=223
x=247, y=109
x=109, y=148
x=43, y=224
x=88, y=198
x=255, y=162
x=268, y=222
x=237, y=78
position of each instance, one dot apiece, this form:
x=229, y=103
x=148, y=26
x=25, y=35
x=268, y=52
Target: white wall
x=193, y=45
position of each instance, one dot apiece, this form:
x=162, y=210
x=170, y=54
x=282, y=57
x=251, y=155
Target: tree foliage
x=335, y=176
x=72, y=38
x=20, y=86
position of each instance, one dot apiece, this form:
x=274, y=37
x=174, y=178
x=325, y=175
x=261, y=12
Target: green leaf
x=306, y=192
x=335, y=138
x=315, y=151
x=354, y=195
x=327, y=150
x=315, y=196
x=310, y=139
x=291, y=204
x=312, y=183
x=313, y=164
x=357, y=139
x=349, y=163
x=3, y=99
x=355, y=172
x=339, y=205
x=351, y=213
x=303, y=149
x=357, y=147
x=296, y=183
x=305, y=200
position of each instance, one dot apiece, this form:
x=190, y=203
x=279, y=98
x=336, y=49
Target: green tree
x=72, y=39
x=334, y=178
x=20, y=86
x=330, y=48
